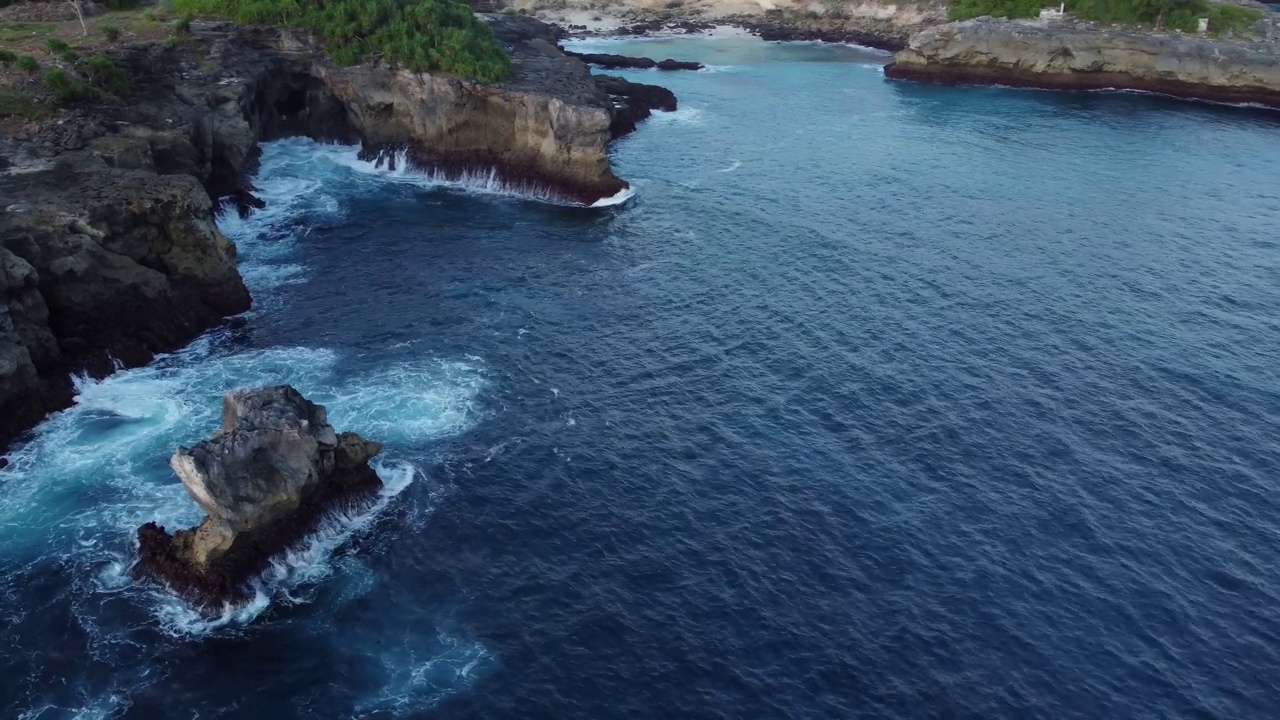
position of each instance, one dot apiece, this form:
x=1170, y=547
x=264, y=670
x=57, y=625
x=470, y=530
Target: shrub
x=66, y=89
x=29, y=64
x=110, y=32
x=56, y=46
x=21, y=104
x=7, y=57
x=1228, y=17
x=421, y=35
x=149, y=16
x=965, y=9
x=509, y=11
x=104, y=75
x=182, y=26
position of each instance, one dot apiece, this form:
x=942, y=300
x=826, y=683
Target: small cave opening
x=293, y=103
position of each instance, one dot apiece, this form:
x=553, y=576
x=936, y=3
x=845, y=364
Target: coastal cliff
x=1066, y=55
x=108, y=249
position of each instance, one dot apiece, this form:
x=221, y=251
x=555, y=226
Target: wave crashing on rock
x=265, y=480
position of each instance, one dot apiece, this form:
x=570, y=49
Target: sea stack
x=265, y=480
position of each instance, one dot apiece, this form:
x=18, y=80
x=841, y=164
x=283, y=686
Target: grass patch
x=13, y=33
x=421, y=35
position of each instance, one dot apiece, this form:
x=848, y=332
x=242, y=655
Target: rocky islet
x=265, y=480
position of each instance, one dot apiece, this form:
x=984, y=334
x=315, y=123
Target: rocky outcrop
x=108, y=251
x=102, y=262
x=1083, y=56
x=634, y=101
x=616, y=62
x=265, y=480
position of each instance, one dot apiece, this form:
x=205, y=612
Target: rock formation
x=614, y=62
x=108, y=251
x=264, y=480
x=1083, y=56
x=634, y=102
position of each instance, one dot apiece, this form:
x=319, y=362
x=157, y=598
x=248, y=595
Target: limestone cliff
x=1083, y=56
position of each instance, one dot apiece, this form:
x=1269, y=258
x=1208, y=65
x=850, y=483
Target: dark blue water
x=876, y=400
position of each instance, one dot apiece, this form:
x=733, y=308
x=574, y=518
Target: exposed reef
x=265, y=480
x=1083, y=56
x=634, y=101
x=618, y=62
x=108, y=249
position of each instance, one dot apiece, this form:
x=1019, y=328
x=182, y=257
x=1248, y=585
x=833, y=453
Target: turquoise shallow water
x=876, y=400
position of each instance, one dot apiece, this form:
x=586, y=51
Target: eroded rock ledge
x=266, y=479
x=108, y=249
x=1084, y=56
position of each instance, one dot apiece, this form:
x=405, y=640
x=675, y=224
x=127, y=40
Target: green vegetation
x=56, y=46
x=422, y=35
x=110, y=32
x=965, y=9
x=1164, y=14
x=66, y=89
x=28, y=64
x=14, y=34
x=102, y=80
x=182, y=26
x=104, y=75
x=7, y=57
x=149, y=16
x=22, y=104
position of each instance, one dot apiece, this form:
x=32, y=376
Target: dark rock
x=613, y=62
x=634, y=102
x=670, y=64
x=265, y=480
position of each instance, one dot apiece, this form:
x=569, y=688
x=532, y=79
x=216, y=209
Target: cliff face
x=108, y=250
x=1083, y=56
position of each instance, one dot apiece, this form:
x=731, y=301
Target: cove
x=874, y=400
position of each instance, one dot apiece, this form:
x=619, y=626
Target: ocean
x=874, y=400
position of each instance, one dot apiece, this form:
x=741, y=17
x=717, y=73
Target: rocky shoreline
x=881, y=25
x=1066, y=55
x=108, y=250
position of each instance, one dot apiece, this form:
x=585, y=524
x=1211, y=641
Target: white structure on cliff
x=1053, y=13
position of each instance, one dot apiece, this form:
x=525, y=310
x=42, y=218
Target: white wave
x=719, y=69
x=416, y=683
x=684, y=115
x=400, y=170
x=305, y=564
x=617, y=198
x=736, y=164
